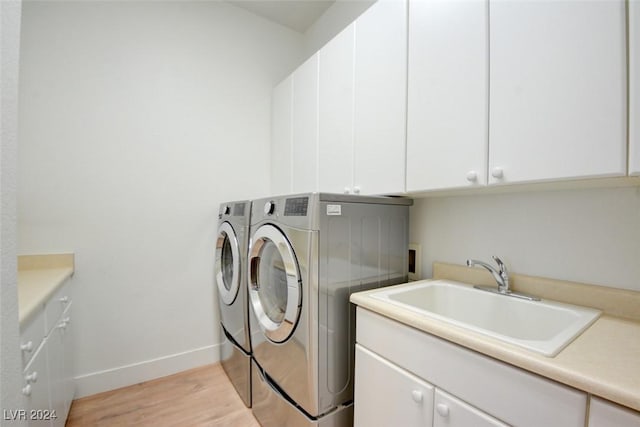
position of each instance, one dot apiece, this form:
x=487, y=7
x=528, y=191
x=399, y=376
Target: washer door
x=227, y=264
x=274, y=283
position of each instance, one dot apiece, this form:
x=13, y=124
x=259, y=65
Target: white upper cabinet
x=342, y=114
x=281, y=128
x=335, y=145
x=448, y=100
x=634, y=87
x=557, y=90
x=305, y=127
x=380, y=98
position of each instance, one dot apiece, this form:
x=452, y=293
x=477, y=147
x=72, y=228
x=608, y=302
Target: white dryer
x=307, y=254
x=231, y=283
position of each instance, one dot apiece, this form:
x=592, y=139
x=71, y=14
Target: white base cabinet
x=376, y=380
x=486, y=391
x=46, y=343
x=452, y=412
x=36, y=389
x=606, y=414
x=387, y=395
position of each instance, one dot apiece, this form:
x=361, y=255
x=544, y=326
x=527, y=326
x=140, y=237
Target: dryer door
x=274, y=283
x=227, y=263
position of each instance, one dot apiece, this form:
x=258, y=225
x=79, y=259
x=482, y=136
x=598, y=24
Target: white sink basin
x=545, y=327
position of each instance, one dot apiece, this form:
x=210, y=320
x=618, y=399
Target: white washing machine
x=231, y=282
x=307, y=254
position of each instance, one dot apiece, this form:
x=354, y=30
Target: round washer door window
x=227, y=263
x=274, y=283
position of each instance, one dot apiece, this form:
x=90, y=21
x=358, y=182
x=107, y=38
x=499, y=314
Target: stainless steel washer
x=307, y=254
x=230, y=276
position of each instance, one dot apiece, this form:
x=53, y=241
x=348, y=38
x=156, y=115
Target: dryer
x=230, y=278
x=307, y=254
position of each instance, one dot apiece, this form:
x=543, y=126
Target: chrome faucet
x=501, y=276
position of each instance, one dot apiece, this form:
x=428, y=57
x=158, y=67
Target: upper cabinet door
x=281, y=128
x=380, y=98
x=305, y=127
x=557, y=90
x=448, y=101
x=634, y=87
x=335, y=145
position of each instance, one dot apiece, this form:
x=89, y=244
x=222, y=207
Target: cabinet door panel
x=634, y=87
x=60, y=360
x=281, y=128
x=335, y=152
x=37, y=400
x=557, y=89
x=386, y=395
x=606, y=414
x=452, y=412
x=305, y=127
x=448, y=96
x=381, y=98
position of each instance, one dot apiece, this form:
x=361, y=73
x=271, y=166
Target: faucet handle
x=503, y=268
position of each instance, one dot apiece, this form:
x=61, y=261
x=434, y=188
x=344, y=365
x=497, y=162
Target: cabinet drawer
x=56, y=305
x=31, y=335
x=506, y=392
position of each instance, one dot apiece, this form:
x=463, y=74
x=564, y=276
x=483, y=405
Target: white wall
x=590, y=236
x=137, y=119
x=10, y=361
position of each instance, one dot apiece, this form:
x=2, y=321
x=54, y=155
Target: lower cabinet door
x=386, y=395
x=452, y=412
x=60, y=368
x=605, y=414
x=36, y=389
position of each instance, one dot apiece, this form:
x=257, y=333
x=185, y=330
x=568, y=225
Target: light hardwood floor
x=198, y=397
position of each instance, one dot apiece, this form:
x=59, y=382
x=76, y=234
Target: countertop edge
x=39, y=277
x=521, y=358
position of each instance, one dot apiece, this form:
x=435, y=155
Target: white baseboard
x=111, y=379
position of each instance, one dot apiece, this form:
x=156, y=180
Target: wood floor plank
x=198, y=397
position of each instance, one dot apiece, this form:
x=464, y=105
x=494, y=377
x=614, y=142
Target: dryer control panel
x=296, y=206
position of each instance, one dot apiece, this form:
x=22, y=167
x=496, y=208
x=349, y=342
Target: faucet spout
x=501, y=276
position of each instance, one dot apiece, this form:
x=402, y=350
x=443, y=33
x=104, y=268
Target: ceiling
x=298, y=15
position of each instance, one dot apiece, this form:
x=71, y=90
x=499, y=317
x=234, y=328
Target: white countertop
x=39, y=277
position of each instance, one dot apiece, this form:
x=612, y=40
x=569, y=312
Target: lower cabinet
x=46, y=342
x=458, y=387
x=606, y=414
x=411, y=402
x=36, y=389
x=60, y=359
x=387, y=395
x=452, y=412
